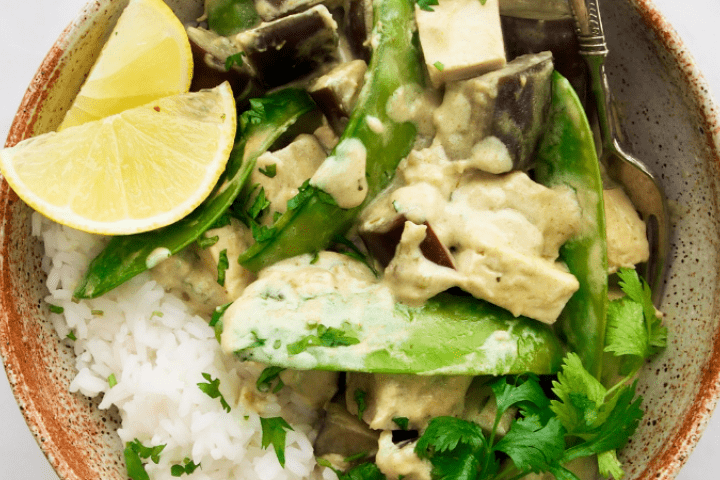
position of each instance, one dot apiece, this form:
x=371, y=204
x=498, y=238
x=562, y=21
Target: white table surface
x=27, y=30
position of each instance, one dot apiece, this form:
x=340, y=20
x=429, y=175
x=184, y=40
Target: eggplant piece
x=337, y=91
x=537, y=9
x=527, y=35
x=510, y=104
x=358, y=27
x=291, y=47
x=344, y=434
x=211, y=66
x=270, y=10
x=382, y=244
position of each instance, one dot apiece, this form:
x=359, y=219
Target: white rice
x=157, y=351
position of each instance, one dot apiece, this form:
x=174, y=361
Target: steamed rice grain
x=157, y=352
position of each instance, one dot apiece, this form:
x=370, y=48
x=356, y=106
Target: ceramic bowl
x=669, y=121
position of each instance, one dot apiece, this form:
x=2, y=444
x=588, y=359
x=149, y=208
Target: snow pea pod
x=567, y=157
x=228, y=17
x=313, y=219
x=129, y=255
x=449, y=335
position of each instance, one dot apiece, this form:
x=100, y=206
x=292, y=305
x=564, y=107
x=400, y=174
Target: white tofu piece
x=461, y=37
x=401, y=461
x=627, y=244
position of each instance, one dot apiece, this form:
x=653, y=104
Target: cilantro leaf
x=533, y=446
x=446, y=433
x=364, y=471
x=274, y=431
x=71, y=335
x=218, y=313
x=222, y=266
x=360, y=397
x=187, y=467
x=525, y=390
x=609, y=465
x=234, y=59
x=460, y=463
x=270, y=171
x=259, y=205
x=326, y=337
x=633, y=326
x=267, y=376
x=55, y=308
x=112, y=380
x=401, y=422
x=212, y=390
x=581, y=398
x=427, y=4
x=134, y=454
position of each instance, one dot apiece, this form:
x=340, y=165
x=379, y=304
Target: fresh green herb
x=315, y=258
x=276, y=216
x=355, y=457
x=222, y=221
x=352, y=251
x=483, y=2
x=262, y=233
x=234, y=59
x=364, y=471
x=187, y=467
x=427, y=4
x=218, y=313
x=71, y=336
x=134, y=454
x=256, y=114
x=222, y=266
x=259, y=205
x=439, y=66
x=325, y=337
x=157, y=313
x=112, y=381
x=270, y=171
x=212, y=390
x=401, y=422
x=206, y=242
x=305, y=192
x=267, y=376
x=633, y=327
x=55, y=308
x=98, y=313
x=274, y=431
x=361, y=400
x=325, y=197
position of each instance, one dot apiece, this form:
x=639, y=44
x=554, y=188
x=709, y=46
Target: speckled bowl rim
x=665, y=465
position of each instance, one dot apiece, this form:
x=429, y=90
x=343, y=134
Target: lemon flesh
x=146, y=57
x=131, y=172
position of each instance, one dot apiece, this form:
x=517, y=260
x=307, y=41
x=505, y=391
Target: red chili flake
x=157, y=109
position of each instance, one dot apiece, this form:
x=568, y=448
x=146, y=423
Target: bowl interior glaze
x=669, y=121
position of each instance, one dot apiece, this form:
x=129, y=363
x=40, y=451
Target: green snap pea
x=313, y=219
x=449, y=335
x=567, y=156
x=129, y=255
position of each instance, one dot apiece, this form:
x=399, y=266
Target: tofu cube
x=461, y=39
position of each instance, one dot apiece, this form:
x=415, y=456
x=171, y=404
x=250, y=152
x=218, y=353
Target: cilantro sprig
x=274, y=431
x=135, y=452
x=212, y=389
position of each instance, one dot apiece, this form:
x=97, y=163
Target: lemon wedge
x=131, y=172
x=146, y=57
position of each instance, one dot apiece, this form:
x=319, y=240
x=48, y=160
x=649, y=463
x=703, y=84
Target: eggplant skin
x=291, y=47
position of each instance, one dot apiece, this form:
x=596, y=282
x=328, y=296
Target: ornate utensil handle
x=589, y=27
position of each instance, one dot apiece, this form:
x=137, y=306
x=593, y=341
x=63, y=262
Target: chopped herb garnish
x=218, y=313
x=222, y=221
x=71, y=335
x=274, y=431
x=325, y=197
x=315, y=258
x=305, y=191
x=360, y=397
x=270, y=171
x=55, y=308
x=401, y=422
x=427, y=4
x=223, y=265
x=262, y=233
x=439, y=66
x=483, y=2
x=267, y=377
x=254, y=115
x=212, y=389
x=112, y=381
x=259, y=205
x=187, y=467
x=134, y=454
x=206, y=242
x=98, y=313
x=157, y=313
x=276, y=216
x=325, y=337
x=234, y=59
